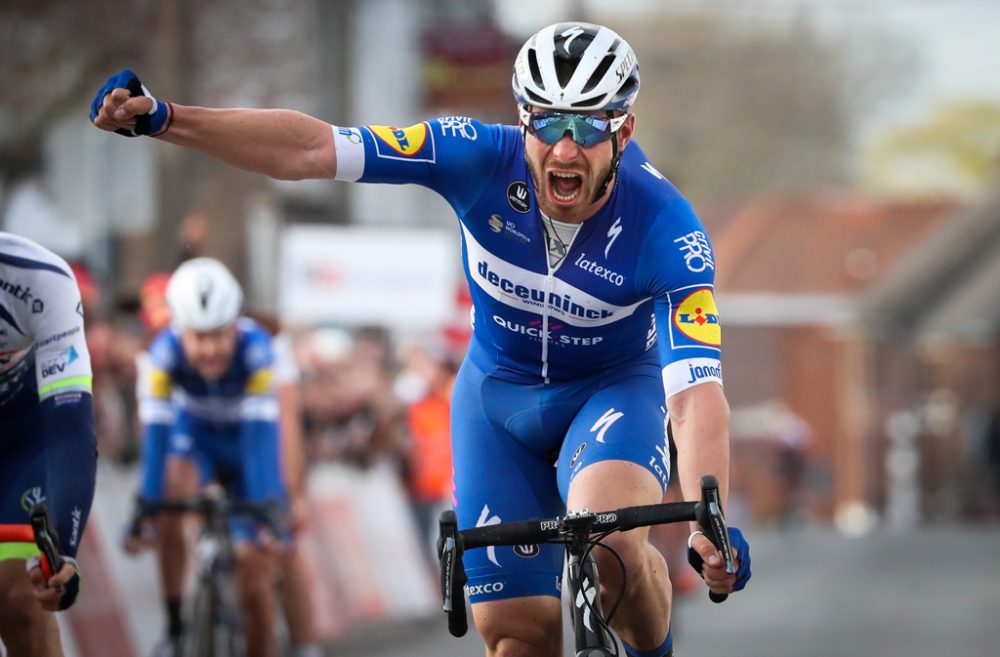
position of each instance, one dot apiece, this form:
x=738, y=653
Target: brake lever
x=453, y=578
x=47, y=539
x=713, y=522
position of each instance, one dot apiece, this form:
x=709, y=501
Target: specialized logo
x=58, y=364
x=485, y=520
x=569, y=35
x=527, y=551
x=625, y=66
x=406, y=142
x=458, y=126
x=585, y=600
x=517, y=196
x=651, y=170
x=31, y=497
x=698, y=319
x=613, y=233
x=577, y=453
x=604, y=423
x=697, y=251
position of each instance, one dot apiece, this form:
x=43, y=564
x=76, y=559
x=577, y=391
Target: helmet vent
x=598, y=74
x=587, y=102
x=536, y=73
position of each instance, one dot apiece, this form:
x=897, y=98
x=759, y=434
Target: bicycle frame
x=592, y=634
x=216, y=626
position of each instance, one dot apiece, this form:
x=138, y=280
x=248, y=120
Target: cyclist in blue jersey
x=595, y=324
x=48, y=447
x=209, y=413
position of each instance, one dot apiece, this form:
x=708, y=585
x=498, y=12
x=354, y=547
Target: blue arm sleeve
x=261, y=461
x=68, y=427
x=156, y=439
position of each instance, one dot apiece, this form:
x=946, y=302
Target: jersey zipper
x=548, y=288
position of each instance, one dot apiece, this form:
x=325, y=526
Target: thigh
x=623, y=420
x=496, y=479
x=522, y=626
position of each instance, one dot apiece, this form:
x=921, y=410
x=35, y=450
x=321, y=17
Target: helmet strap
x=616, y=159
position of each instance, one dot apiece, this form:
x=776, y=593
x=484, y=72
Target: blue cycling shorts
x=218, y=456
x=517, y=447
x=23, y=466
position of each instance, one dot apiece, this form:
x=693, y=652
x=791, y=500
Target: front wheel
x=201, y=639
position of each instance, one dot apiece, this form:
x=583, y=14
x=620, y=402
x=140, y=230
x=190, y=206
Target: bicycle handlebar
x=208, y=506
x=453, y=542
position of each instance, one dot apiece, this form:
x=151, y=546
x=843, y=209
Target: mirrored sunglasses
x=585, y=129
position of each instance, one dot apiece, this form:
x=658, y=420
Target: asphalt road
x=814, y=593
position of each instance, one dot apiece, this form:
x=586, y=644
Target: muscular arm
x=282, y=144
x=699, y=418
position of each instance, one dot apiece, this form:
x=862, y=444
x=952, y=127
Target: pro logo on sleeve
x=697, y=318
x=414, y=142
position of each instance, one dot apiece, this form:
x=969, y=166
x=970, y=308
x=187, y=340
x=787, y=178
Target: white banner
x=392, y=277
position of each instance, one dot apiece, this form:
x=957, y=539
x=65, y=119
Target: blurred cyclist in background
x=209, y=413
x=592, y=282
x=48, y=449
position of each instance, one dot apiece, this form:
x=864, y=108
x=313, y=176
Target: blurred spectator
x=112, y=355
x=350, y=413
x=426, y=383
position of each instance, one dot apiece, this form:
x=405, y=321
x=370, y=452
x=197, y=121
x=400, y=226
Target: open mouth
x=565, y=187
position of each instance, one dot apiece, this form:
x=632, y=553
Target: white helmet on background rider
x=203, y=295
x=576, y=67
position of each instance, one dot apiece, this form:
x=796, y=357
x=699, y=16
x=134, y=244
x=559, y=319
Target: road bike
x=580, y=532
x=216, y=619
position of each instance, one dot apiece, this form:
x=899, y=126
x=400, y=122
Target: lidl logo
x=404, y=141
x=698, y=318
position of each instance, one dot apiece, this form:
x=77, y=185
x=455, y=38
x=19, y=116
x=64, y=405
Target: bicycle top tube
x=553, y=529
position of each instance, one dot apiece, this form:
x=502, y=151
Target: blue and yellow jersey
x=234, y=417
x=637, y=284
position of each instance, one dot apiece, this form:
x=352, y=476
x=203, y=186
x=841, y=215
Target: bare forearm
x=283, y=144
x=700, y=424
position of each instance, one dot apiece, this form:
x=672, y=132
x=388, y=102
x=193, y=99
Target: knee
x=255, y=573
x=635, y=554
x=21, y=617
x=516, y=627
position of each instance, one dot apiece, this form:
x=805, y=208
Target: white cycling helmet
x=576, y=66
x=203, y=295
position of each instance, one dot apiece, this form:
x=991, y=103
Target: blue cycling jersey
x=568, y=362
x=229, y=426
x=639, y=274
x=48, y=450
